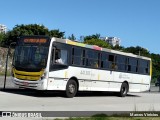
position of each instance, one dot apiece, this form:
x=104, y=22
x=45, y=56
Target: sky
x=135, y=22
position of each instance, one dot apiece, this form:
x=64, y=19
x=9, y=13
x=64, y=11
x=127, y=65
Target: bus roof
x=95, y=47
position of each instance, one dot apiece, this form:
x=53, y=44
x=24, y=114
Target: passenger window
x=104, y=61
x=111, y=58
x=132, y=65
x=144, y=66
x=77, y=56
x=92, y=59
x=112, y=64
x=121, y=63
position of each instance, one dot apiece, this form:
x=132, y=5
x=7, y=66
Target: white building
x=3, y=28
x=111, y=40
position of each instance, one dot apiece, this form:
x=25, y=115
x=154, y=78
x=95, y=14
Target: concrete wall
x=3, y=55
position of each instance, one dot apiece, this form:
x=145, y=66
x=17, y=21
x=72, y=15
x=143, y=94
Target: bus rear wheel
x=71, y=89
x=123, y=90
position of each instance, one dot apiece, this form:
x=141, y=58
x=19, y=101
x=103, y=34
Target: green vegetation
x=111, y=118
x=98, y=42
x=31, y=29
x=72, y=37
x=34, y=29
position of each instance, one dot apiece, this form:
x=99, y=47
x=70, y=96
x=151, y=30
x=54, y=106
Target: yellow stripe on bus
x=28, y=73
x=151, y=68
x=66, y=74
x=27, y=77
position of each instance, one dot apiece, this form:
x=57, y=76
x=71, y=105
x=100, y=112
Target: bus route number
x=83, y=72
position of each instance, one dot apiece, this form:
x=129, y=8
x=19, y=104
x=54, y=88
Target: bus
x=45, y=63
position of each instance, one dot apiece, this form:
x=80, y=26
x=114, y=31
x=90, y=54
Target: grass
x=106, y=117
x=109, y=118
x=3, y=73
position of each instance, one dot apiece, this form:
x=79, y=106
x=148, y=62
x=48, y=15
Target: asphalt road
x=30, y=100
x=51, y=101
x=9, y=85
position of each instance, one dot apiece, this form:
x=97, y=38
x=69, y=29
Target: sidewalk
x=9, y=83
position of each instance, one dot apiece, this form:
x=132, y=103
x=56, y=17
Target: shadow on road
x=36, y=93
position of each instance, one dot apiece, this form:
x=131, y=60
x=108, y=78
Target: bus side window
x=64, y=55
x=92, y=59
x=77, y=56
x=58, y=59
x=132, y=65
x=111, y=62
x=144, y=67
x=83, y=57
x=121, y=62
x=52, y=57
x=104, y=61
x=61, y=56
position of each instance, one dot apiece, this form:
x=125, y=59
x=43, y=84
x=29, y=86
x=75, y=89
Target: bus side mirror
x=12, y=45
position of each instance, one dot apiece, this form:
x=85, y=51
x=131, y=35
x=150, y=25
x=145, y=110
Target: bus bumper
x=38, y=85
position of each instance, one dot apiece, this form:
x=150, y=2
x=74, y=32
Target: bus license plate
x=25, y=83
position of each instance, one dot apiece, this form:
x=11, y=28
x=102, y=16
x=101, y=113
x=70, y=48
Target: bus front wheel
x=123, y=90
x=71, y=88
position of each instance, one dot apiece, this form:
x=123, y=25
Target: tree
x=22, y=30
x=138, y=51
x=56, y=33
x=155, y=65
x=2, y=38
x=94, y=36
x=117, y=47
x=31, y=29
x=72, y=37
x=94, y=40
x=97, y=42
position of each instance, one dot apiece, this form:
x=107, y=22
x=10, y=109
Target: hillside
x=3, y=54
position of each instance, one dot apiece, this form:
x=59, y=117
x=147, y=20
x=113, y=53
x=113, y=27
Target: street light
x=7, y=64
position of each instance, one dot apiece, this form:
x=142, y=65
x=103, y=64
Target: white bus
x=45, y=63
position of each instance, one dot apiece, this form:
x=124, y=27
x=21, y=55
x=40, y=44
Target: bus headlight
x=43, y=76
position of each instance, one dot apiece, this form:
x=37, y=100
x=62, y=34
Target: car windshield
x=32, y=57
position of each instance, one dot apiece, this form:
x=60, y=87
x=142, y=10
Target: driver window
x=61, y=56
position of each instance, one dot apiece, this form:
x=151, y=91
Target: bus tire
x=71, y=89
x=124, y=90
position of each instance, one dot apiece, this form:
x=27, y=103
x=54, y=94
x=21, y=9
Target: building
x=111, y=40
x=3, y=28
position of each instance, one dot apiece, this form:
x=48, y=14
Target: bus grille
x=23, y=75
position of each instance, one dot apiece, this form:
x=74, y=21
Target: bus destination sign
x=35, y=40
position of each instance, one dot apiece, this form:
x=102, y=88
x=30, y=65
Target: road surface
x=9, y=84
x=30, y=100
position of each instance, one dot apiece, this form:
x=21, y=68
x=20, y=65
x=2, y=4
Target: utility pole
x=7, y=64
x=6, y=68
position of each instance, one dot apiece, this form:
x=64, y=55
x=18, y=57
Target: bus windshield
x=30, y=56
